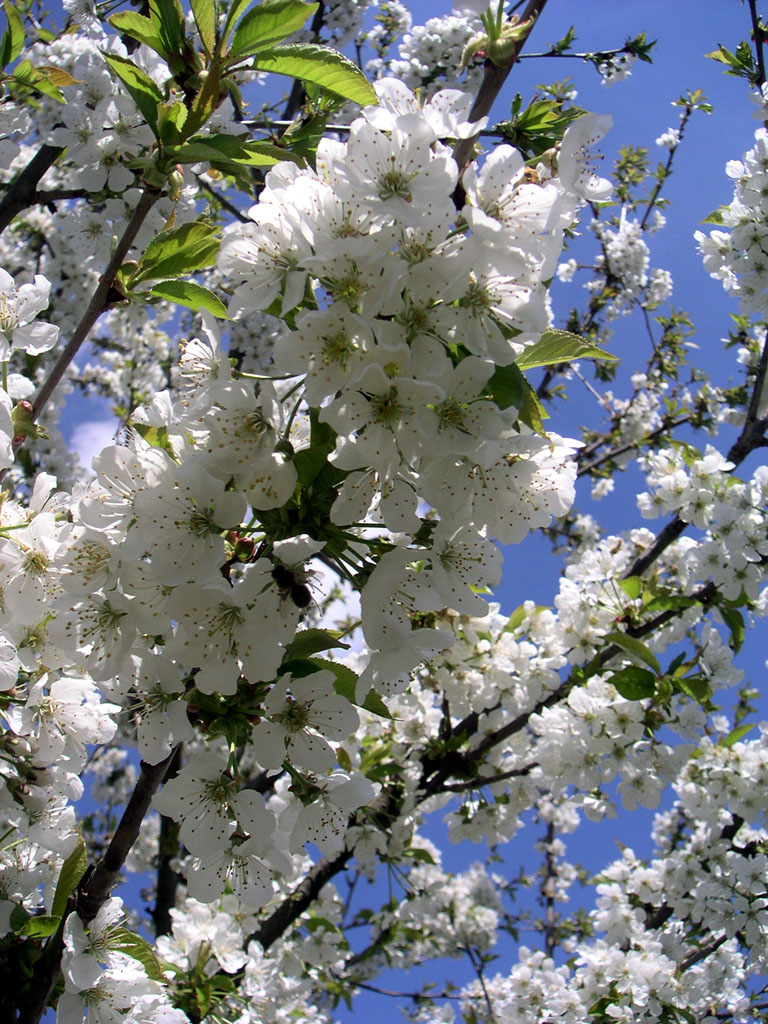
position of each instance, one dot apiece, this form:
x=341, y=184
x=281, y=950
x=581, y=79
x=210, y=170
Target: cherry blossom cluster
x=737, y=254
x=367, y=416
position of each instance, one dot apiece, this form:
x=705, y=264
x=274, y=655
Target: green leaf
x=207, y=99
x=137, y=948
x=632, y=586
x=223, y=150
x=532, y=412
x=311, y=641
x=171, y=118
x=517, y=618
x=267, y=23
x=346, y=685
x=422, y=856
x=507, y=387
x=636, y=648
x=696, y=687
x=204, y=12
x=560, y=347
x=716, y=217
x=168, y=19
x=322, y=66
x=33, y=78
x=734, y=620
x=57, y=76
x=13, y=37
x=143, y=30
x=236, y=9
x=72, y=870
x=40, y=927
x=143, y=91
x=634, y=683
x=178, y=251
x=192, y=295
x=736, y=734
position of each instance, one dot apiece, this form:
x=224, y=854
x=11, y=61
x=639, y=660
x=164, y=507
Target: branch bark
x=23, y=189
x=494, y=78
x=99, y=302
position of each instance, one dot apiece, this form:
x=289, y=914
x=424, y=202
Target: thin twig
x=99, y=302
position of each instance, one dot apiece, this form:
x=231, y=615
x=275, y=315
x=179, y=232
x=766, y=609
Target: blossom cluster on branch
x=331, y=344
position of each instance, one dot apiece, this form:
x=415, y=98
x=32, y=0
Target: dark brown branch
x=97, y=886
x=494, y=78
x=754, y=428
x=701, y=954
x=629, y=446
x=759, y=38
x=300, y=899
x=99, y=302
x=548, y=893
x=385, y=808
x=168, y=849
x=23, y=189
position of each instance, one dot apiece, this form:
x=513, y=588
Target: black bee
x=292, y=584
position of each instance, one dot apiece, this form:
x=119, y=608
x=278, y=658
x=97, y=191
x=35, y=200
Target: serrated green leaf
x=696, y=687
x=143, y=30
x=634, y=683
x=507, y=387
x=516, y=619
x=322, y=66
x=532, y=412
x=309, y=462
x=178, y=251
x=636, y=648
x=204, y=12
x=13, y=38
x=72, y=870
x=28, y=75
x=230, y=151
x=676, y=662
x=192, y=295
x=233, y=15
x=18, y=918
x=207, y=99
x=58, y=76
x=137, y=948
x=422, y=856
x=736, y=734
x=210, y=147
x=560, y=347
x=346, y=685
x=734, y=620
x=171, y=118
x=5, y=49
x=716, y=217
x=632, y=586
x=311, y=641
x=40, y=927
x=268, y=23
x=168, y=19
x=343, y=759
x=141, y=88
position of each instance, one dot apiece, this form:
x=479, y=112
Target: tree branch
x=494, y=78
x=97, y=886
x=99, y=302
x=23, y=189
